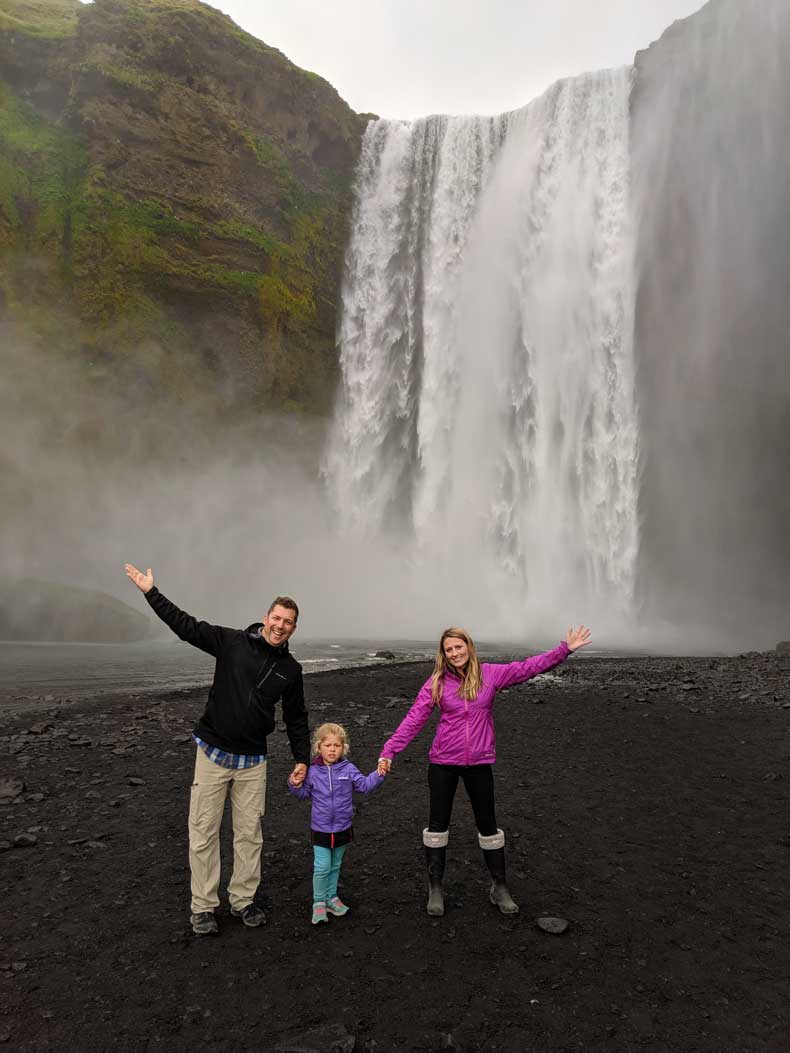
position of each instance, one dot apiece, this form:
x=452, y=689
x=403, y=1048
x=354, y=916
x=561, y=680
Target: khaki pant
x=206, y=804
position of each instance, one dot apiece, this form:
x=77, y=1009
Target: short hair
x=287, y=602
x=330, y=729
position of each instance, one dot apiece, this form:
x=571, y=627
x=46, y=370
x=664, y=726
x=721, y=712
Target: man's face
x=279, y=625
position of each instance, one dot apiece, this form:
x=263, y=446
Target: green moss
x=55, y=19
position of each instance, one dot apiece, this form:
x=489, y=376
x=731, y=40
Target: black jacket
x=249, y=677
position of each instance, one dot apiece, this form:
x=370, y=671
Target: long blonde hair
x=472, y=677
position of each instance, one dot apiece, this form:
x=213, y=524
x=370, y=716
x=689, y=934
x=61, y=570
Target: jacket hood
x=254, y=632
x=319, y=760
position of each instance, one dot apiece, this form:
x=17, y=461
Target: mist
x=565, y=388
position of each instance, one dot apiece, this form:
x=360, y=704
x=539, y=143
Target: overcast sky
x=409, y=58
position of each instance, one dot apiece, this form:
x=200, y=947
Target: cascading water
x=487, y=412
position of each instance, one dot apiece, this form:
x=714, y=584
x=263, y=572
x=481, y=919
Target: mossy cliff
x=174, y=201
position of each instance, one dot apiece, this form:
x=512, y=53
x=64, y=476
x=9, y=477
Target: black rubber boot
x=499, y=895
x=435, y=859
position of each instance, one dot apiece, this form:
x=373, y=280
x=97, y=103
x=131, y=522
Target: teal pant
x=326, y=871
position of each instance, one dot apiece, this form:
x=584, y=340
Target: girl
x=463, y=691
x=330, y=783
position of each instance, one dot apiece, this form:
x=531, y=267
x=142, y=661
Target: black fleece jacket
x=249, y=678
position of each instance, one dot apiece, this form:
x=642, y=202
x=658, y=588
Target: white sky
x=409, y=58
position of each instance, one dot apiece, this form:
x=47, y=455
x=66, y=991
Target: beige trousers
x=206, y=805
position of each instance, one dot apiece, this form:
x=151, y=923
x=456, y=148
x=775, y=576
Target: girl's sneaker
x=319, y=913
x=337, y=907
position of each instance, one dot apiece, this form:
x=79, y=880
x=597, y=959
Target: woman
x=463, y=690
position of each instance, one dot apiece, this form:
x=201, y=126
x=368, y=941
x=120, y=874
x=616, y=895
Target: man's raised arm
x=207, y=637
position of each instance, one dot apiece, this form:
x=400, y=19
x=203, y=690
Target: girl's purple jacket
x=465, y=734
x=331, y=788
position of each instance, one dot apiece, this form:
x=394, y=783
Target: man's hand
x=144, y=582
x=384, y=766
x=577, y=638
x=296, y=778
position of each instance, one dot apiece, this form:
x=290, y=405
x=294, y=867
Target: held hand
x=297, y=776
x=384, y=766
x=144, y=582
x=577, y=638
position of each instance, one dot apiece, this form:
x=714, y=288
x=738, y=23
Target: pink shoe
x=319, y=913
x=337, y=907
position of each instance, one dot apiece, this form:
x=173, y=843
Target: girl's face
x=331, y=749
x=456, y=652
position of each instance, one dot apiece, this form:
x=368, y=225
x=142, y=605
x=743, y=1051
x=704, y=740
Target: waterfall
x=486, y=420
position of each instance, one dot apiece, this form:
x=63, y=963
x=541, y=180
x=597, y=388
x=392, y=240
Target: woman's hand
x=577, y=638
x=384, y=766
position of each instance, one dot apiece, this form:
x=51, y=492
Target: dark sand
x=644, y=800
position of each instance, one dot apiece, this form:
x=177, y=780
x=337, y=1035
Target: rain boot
x=494, y=856
x=435, y=857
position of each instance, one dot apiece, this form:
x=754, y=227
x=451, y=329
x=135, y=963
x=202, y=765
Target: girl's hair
x=330, y=729
x=472, y=677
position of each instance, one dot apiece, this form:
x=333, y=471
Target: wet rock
x=9, y=789
x=555, y=926
x=330, y=1039
x=5, y=846
x=36, y=798
x=39, y=728
x=134, y=781
x=783, y=647
x=384, y=654
x=25, y=840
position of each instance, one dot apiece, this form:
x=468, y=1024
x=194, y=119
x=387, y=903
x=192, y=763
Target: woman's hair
x=472, y=678
x=330, y=729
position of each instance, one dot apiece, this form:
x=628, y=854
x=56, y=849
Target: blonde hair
x=330, y=729
x=472, y=677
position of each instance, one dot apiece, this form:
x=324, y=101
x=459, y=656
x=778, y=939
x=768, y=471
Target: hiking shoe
x=435, y=905
x=336, y=906
x=204, y=923
x=251, y=915
x=319, y=913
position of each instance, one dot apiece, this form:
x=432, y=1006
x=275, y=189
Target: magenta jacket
x=465, y=734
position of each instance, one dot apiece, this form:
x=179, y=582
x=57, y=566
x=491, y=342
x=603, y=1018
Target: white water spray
x=487, y=411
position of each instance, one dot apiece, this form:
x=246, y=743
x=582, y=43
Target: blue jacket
x=331, y=788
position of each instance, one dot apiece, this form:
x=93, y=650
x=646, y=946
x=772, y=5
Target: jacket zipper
x=331, y=794
x=466, y=719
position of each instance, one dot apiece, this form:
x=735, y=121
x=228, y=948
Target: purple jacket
x=465, y=734
x=331, y=788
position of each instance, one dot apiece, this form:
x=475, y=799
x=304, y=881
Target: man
x=254, y=669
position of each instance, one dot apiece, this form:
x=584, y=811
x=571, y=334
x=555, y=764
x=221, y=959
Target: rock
x=5, y=846
x=783, y=647
x=136, y=782
x=40, y=727
x=52, y=611
x=36, y=798
x=384, y=654
x=25, y=840
x=555, y=926
x=10, y=788
x=333, y=1038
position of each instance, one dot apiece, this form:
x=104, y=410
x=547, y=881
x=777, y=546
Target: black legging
x=479, y=784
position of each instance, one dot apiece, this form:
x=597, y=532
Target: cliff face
x=710, y=128
x=174, y=197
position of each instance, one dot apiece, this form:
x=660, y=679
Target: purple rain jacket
x=331, y=788
x=465, y=734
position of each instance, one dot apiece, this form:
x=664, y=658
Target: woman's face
x=456, y=652
x=331, y=749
